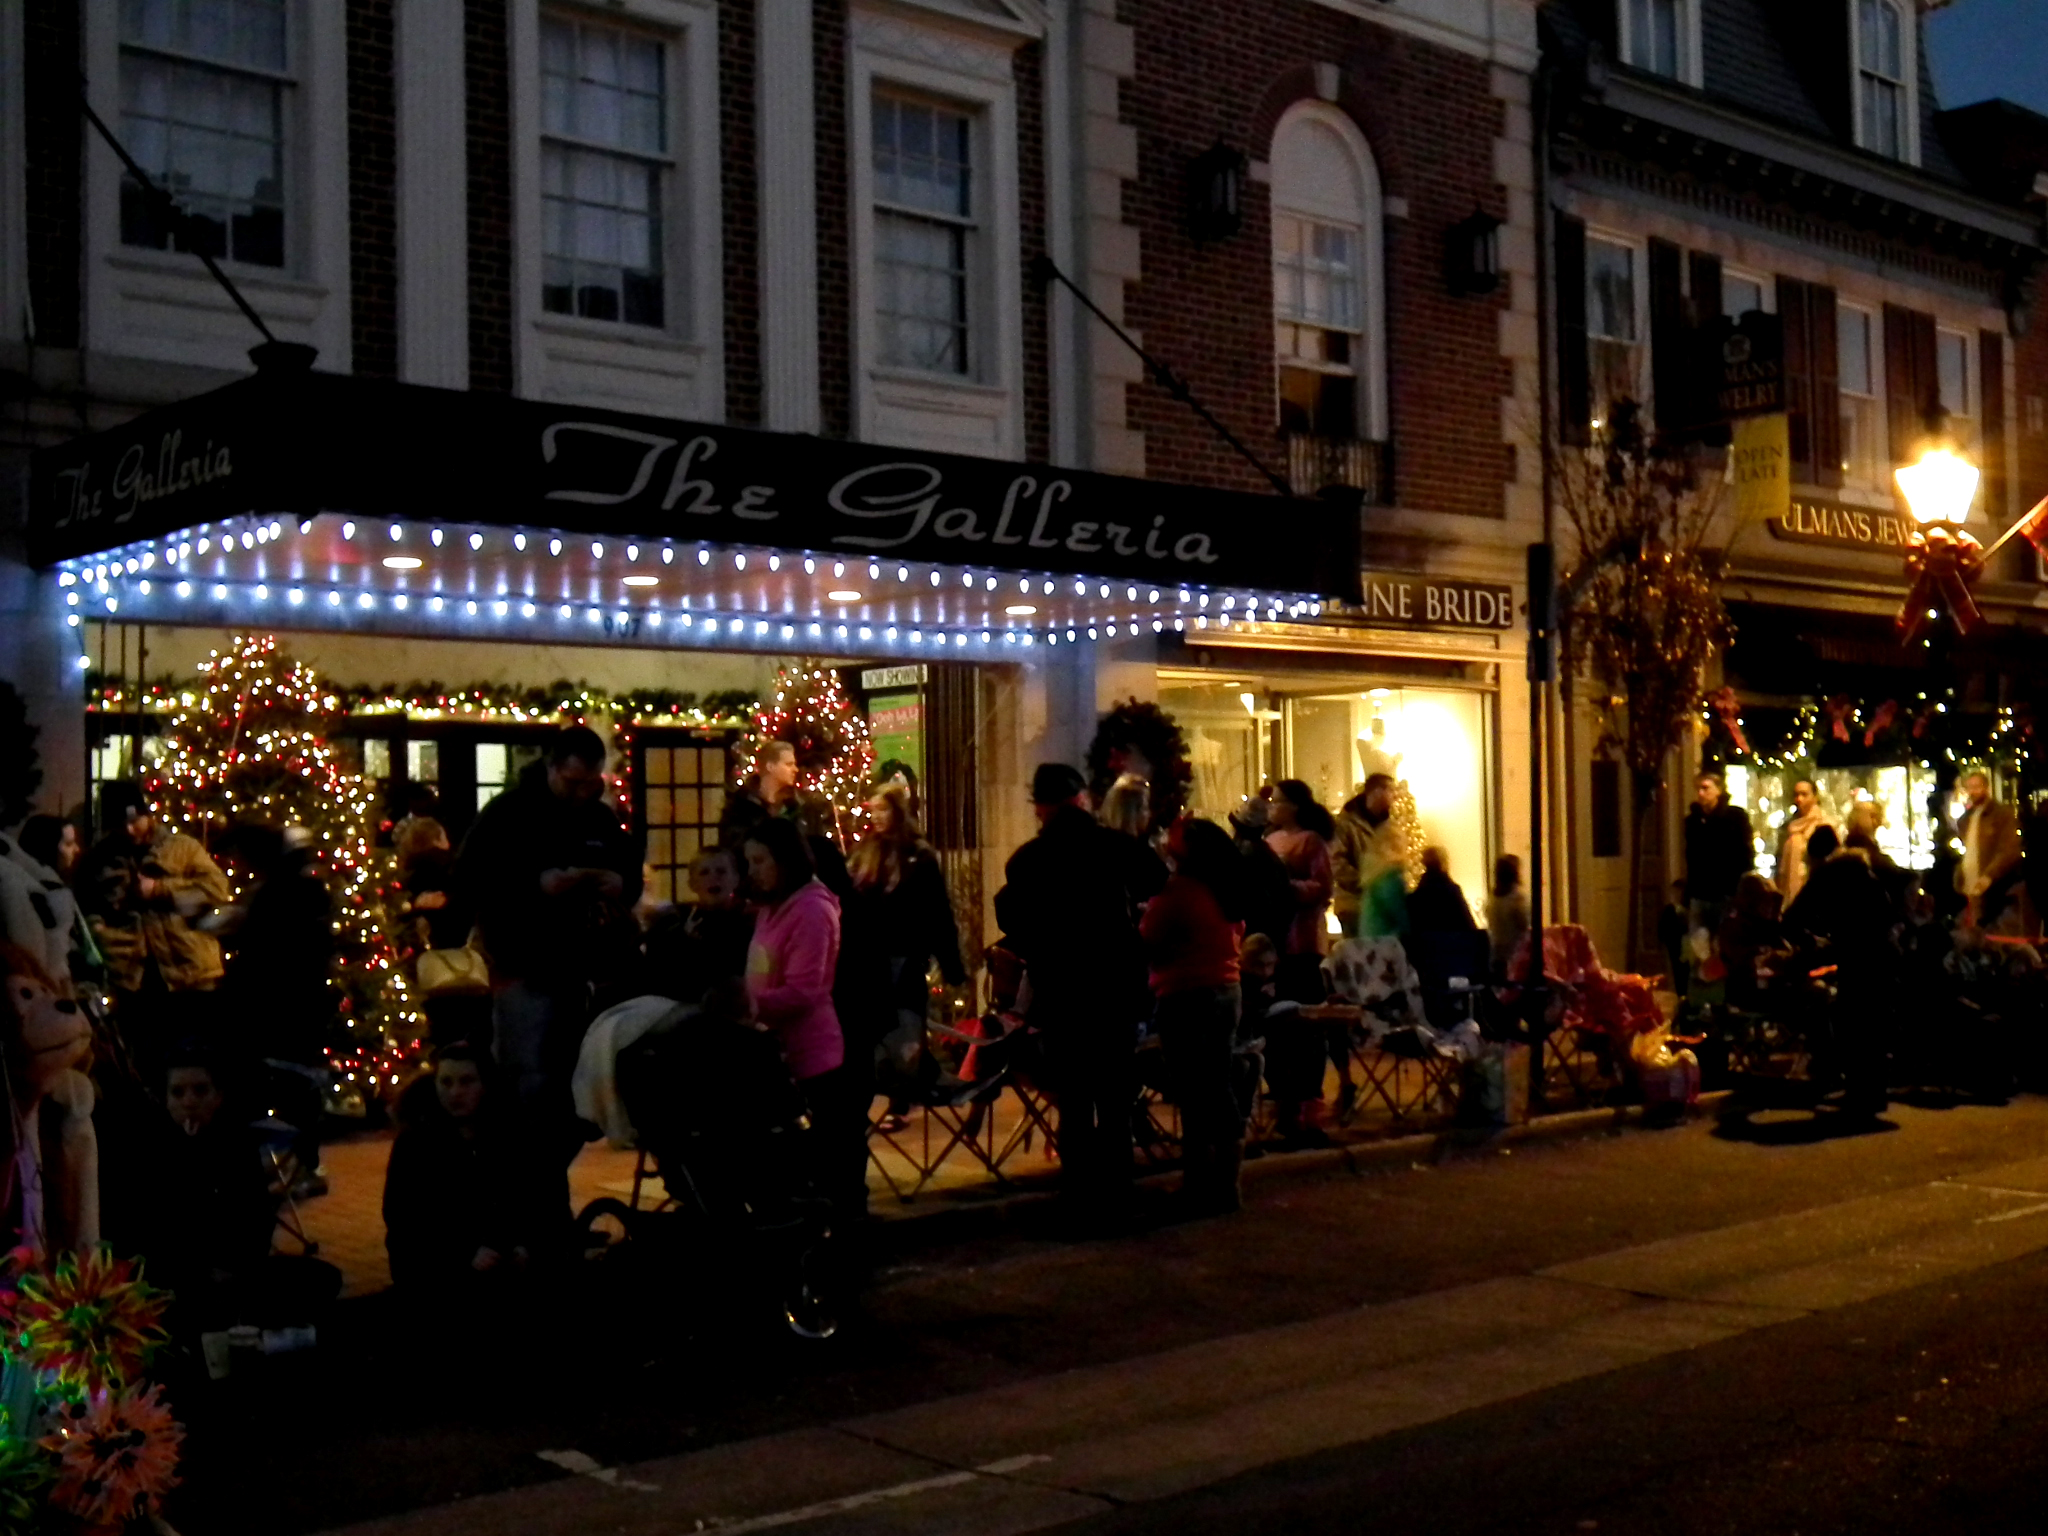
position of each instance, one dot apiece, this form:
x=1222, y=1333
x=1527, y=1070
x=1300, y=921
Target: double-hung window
x=1318, y=321
x=1881, y=77
x=205, y=97
x=1740, y=293
x=1656, y=36
x=1863, y=422
x=605, y=165
x=1953, y=380
x=924, y=191
x=1613, y=331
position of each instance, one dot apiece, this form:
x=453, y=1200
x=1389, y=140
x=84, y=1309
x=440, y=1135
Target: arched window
x=1328, y=310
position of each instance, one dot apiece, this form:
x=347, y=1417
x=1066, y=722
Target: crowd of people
x=1840, y=942
x=1135, y=951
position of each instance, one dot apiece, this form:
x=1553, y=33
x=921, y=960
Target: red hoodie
x=1189, y=943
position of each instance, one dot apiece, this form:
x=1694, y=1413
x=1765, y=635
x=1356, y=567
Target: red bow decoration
x=1944, y=563
x=1881, y=722
x=1838, y=710
x=1724, y=705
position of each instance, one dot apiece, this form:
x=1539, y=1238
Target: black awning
x=297, y=444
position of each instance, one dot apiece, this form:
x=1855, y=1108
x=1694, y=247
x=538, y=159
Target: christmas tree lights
x=834, y=757
x=249, y=747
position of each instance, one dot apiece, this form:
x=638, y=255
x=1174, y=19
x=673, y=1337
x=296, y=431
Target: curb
x=909, y=1226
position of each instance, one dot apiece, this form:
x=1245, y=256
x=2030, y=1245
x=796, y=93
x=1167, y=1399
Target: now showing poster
x=896, y=726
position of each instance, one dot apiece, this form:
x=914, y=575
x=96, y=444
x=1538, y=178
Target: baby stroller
x=713, y=1106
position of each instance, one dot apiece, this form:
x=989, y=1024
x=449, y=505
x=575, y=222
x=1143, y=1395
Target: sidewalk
x=1059, y=1448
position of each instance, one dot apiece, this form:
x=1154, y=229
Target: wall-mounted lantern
x=1472, y=254
x=1216, y=194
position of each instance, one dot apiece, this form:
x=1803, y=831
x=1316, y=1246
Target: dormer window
x=1884, y=96
x=1661, y=36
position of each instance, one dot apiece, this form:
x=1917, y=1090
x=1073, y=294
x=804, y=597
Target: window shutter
x=1991, y=421
x=1574, y=372
x=1911, y=385
x=1671, y=393
x=1705, y=310
x=1792, y=318
x=1825, y=401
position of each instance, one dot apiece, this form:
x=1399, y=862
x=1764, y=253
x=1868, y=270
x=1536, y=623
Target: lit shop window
x=924, y=233
x=605, y=163
x=205, y=90
x=682, y=797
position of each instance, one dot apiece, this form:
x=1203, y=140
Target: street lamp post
x=1944, y=562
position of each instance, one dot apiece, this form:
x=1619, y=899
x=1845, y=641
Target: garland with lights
x=502, y=703
x=248, y=748
x=835, y=759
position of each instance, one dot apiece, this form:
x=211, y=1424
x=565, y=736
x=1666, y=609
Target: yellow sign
x=1762, y=463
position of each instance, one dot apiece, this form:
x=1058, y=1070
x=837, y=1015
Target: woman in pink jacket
x=795, y=952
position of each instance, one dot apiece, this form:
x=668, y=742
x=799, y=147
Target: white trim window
x=925, y=232
x=605, y=163
x=937, y=296
x=1885, y=65
x=1956, y=382
x=1742, y=292
x=617, y=231
x=1662, y=37
x=1614, y=324
x=1859, y=361
x=239, y=108
x=1328, y=307
x=206, y=94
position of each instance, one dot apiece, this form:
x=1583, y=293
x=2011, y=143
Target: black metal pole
x=1542, y=578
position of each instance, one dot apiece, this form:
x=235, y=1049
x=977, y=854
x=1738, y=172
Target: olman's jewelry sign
x=1818, y=522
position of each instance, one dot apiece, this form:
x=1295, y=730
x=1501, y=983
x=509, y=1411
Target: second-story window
x=1656, y=36
x=1953, y=380
x=605, y=160
x=1613, y=330
x=1881, y=77
x=1863, y=428
x=1318, y=324
x=205, y=90
x=1327, y=316
x=924, y=233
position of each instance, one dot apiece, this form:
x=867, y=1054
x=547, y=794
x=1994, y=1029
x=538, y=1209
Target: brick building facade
x=823, y=217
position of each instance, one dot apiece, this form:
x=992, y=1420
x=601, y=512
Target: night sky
x=1984, y=48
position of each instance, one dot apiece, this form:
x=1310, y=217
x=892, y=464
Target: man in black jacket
x=1069, y=907
x=553, y=875
x=1720, y=848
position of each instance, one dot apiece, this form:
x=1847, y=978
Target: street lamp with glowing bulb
x=1940, y=486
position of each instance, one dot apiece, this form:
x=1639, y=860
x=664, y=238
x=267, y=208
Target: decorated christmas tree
x=251, y=748
x=834, y=757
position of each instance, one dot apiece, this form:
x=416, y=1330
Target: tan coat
x=1792, y=850
x=1996, y=831
x=191, y=884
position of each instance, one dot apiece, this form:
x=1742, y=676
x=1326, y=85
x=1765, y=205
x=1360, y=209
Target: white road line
x=587, y=1466
x=853, y=1501
x=2025, y=1210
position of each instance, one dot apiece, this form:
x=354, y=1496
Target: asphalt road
x=1696, y=1409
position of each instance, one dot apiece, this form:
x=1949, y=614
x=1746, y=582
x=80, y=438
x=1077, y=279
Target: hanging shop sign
x=298, y=444
x=1760, y=461
x=1751, y=367
x=1427, y=602
x=1841, y=527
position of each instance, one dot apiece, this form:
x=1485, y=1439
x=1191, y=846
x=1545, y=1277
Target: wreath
x=1141, y=738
